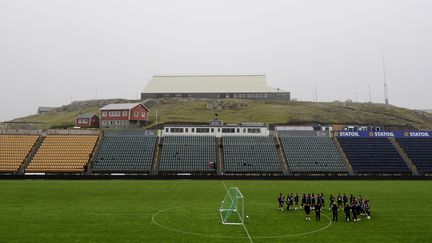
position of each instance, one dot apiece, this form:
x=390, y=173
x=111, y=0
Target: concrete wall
x=72, y=132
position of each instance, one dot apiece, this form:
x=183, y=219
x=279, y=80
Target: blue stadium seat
x=373, y=155
x=419, y=150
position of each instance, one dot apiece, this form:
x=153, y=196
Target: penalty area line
x=244, y=226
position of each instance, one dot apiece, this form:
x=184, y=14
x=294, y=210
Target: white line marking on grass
x=244, y=226
x=154, y=216
x=247, y=232
x=299, y=234
x=186, y=232
x=226, y=188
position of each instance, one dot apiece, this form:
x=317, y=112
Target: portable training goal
x=232, y=207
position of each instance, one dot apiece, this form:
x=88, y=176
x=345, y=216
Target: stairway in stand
x=405, y=157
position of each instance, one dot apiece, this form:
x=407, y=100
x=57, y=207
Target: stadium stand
x=419, y=150
x=312, y=155
x=14, y=149
x=373, y=155
x=251, y=155
x=125, y=154
x=187, y=154
x=63, y=154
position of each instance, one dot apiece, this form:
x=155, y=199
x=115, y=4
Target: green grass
x=122, y=211
x=279, y=112
x=272, y=112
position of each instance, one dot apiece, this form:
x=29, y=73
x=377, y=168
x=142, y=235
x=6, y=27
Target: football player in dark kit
x=296, y=201
x=339, y=200
x=319, y=199
x=308, y=199
x=332, y=201
x=322, y=201
x=347, y=210
x=303, y=201
x=289, y=200
x=345, y=199
x=335, y=210
x=313, y=201
x=281, y=201
x=307, y=210
x=318, y=212
x=367, y=208
x=358, y=211
x=354, y=211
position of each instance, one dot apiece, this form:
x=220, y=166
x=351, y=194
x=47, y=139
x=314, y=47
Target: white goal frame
x=233, y=202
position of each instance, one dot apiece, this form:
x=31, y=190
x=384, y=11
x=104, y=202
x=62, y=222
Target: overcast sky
x=55, y=51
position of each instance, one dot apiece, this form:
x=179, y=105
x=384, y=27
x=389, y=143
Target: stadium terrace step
x=251, y=155
x=30, y=156
x=418, y=152
x=63, y=154
x=343, y=156
x=156, y=157
x=188, y=154
x=373, y=156
x=131, y=154
x=94, y=154
x=220, y=164
x=281, y=152
x=15, y=151
x=312, y=155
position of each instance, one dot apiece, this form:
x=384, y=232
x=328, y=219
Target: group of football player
x=353, y=207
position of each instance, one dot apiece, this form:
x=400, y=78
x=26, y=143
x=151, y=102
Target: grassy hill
x=237, y=111
x=64, y=116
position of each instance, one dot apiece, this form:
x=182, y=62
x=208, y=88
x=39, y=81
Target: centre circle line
x=233, y=237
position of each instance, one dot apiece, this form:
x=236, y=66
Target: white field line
x=154, y=216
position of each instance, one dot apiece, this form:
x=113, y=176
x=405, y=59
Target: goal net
x=232, y=208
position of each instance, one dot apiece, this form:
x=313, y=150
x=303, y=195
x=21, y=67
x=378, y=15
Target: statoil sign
x=417, y=134
x=349, y=134
x=383, y=134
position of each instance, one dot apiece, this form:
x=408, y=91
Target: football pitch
x=188, y=211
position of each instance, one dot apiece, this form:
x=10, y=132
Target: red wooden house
x=124, y=115
x=87, y=121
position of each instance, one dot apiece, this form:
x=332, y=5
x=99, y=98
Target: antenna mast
x=370, y=96
x=316, y=94
x=386, y=99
